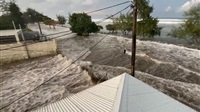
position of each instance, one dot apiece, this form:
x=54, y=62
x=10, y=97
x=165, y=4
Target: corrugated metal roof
x=99, y=98
x=140, y=97
x=120, y=94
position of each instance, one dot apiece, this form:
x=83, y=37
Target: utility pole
x=22, y=33
x=14, y=25
x=40, y=28
x=37, y=20
x=134, y=33
x=38, y=24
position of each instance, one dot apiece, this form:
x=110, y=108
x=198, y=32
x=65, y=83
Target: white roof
x=120, y=94
x=9, y=32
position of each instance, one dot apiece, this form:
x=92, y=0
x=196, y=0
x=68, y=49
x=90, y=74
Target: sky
x=162, y=8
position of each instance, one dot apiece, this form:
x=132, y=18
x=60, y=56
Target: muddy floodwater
x=174, y=70
x=171, y=69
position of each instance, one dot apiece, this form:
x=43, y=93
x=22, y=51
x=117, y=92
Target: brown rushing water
x=171, y=69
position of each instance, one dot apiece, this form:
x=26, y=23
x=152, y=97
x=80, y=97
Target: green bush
x=190, y=29
x=82, y=24
x=61, y=19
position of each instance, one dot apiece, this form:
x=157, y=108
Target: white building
x=10, y=33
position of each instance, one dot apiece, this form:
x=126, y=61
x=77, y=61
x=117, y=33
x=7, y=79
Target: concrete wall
x=21, y=51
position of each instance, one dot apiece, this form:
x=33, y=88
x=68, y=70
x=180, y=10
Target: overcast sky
x=162, y=8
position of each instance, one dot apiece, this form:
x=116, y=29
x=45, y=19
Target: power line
x=71, y=32
x=39, y=42
x=134, y=35
x=56, y=73
x=58, y=33
x=102, y=78
x=65, y=67
x=62, y=35
x=51, y=51
x=98, y=22
x=107, y=7
x=113, y=15
x=129, y=10
x=33, y=43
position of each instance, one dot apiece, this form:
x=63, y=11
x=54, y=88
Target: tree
x=100, y=27
x=4, y=6
x=16, y=15
x=82, y=24
x=124, y=23
x=61, y=19
x=5, y=22
x=13, y=14
x=190, y=29
x=48, y=22
x=93, y=28
x=111, y=28
x=32, y=16
x=53, y=23
x=147, y=26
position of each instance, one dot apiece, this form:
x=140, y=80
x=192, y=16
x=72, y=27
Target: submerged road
x=171, y=69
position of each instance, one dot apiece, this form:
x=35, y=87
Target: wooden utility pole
x=134, y=33
x=36, y=16
x=14, y=25
x=40, y=27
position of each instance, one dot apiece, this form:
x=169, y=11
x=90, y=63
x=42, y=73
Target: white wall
x=28, y=51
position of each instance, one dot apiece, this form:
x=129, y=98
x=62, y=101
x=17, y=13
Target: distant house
x=11, y=36
x=17, y=36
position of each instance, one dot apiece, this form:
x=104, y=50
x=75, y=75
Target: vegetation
x=111, y=28
x=32, y=16
x=100, y=27
x=13, y=14
x=82, y=24
x=16, y=15
x=147, y=26
x=190, y=29
x=124, y=23
x=27, y=29
x=48, y=22
x=6, y=22
x=61, y=19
